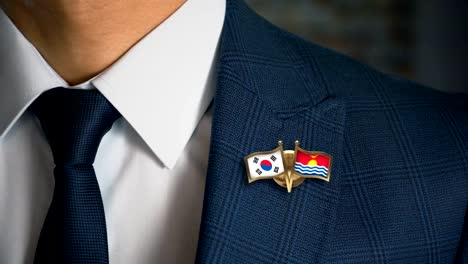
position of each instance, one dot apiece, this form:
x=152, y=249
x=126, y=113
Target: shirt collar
x=162, y=86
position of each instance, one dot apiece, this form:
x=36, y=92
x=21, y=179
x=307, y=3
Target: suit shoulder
x=302, y=69
x=355, y=80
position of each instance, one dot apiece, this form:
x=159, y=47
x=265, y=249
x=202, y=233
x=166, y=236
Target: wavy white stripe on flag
x=313, y=173
x=265, y=164
x=311, y=170
x=318, y=167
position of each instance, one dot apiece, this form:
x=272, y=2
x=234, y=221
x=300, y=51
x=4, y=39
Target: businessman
x=124, y=125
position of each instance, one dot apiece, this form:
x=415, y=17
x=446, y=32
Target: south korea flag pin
x=265, y=165
x=288, y=168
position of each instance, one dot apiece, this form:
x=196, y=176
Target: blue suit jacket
x=399, y=184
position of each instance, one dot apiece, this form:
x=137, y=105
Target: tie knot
x=74, y=122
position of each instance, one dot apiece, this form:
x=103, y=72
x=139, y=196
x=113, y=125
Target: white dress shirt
x=150, y=166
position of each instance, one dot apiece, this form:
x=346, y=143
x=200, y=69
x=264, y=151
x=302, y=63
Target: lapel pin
x=288, y=168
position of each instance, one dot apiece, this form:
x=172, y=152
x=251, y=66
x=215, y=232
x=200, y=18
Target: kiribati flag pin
x=288, y=168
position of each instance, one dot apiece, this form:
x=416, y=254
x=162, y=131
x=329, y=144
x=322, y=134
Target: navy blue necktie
x=74, y=122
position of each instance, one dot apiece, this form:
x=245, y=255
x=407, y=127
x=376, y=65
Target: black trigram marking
x=276, y=169
x=259, y=171
x=273, y=158
x=255, y=160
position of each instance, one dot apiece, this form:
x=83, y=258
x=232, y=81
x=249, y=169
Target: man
x=152, y=84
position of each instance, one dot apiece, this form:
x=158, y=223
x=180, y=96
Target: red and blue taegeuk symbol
x=266, y=165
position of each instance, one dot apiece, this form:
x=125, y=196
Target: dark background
x=423, y=40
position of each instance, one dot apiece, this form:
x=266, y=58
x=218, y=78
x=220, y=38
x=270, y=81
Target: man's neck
x=79, y=39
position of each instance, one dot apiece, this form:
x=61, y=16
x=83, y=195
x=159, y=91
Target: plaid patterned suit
x=399, y=184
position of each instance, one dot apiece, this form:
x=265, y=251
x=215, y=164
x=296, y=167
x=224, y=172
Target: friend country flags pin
x=288, y=168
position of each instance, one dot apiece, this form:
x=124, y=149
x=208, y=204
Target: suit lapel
x=265, y=94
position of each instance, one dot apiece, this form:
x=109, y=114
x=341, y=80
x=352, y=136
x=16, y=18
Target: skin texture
x=81, y=38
